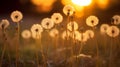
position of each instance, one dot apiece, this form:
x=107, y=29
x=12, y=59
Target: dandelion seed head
x=75, y=35
x=83, y=37
x=36, y=35
x=103, y=28
x=57, y=18
x=65, y=34
x=26, y=34
x=54, y=32
x=113, y=31
x=16, y=16
x=72, y=26
x=4, y=24
x=47, y=23
x=116, y=19
x=92, y=21
x=36, y=28
x=89, y=33
x=68, y=10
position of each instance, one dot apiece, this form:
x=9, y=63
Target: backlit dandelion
x=68, y=10
x=26, y=34
x=54, y=33
x=83, y=37
x=89, y=33
x=116, y=19
x=36, y=35
x=36, y=30
x=57, y=18
x=65, y=34
x=103, y=28
x=16, y=16
x=47, y=23
x=72, y=26
x=76, y=35
x=92, y=21
x=113, y=31
x=4, y=24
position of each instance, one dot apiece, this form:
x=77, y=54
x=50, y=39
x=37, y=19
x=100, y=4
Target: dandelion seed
x=116, y=19
x=72, y=26
x=68, y=10
x=113, y=31
x=16, y=16
x=47, y=23
x=89, y=33
x=103, y=28
x=92, y=21
x=26, y=34
x=65, y=34
x=54, y=33
x=4, y=24
x=57, y=18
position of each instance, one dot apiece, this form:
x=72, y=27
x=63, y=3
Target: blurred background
x=104, y=9
x=35, y=10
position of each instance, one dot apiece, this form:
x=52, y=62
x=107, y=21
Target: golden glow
x=43, y=2
x=78, y=9
x=82, y=2
x=103, y=4
x=65, y=2
x=43, y=5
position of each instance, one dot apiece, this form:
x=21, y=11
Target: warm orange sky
x=28, y=7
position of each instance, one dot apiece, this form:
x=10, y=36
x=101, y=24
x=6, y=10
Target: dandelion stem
x=9, y=58
x=111, y=52
x=37, y=58
x=17, y=45
x=3, y=51
x=43, y=56
x=4, y=47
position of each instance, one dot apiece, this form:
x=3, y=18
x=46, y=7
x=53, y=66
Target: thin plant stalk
x=36, y=50
x=72, y=47
x=4, y=49
x=44, y=58
x=97, y=65
x=9, y=58
x=67, y=37
x=38, y=42
x=105, y=44
x=55, y=46
x=111, y=52
x=81, y=47
x=97, y=48
x=37, y=57
x=17, y=45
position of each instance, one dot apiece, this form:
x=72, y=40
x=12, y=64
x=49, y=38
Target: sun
x=82, y=2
